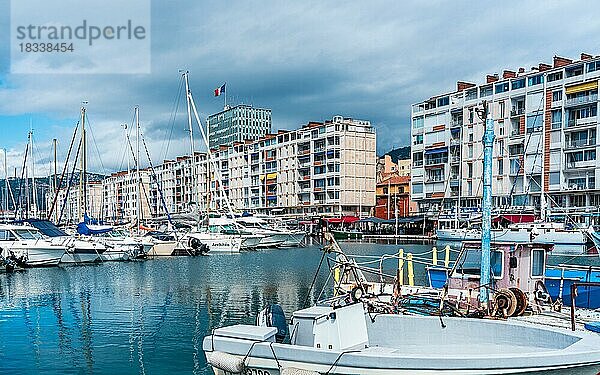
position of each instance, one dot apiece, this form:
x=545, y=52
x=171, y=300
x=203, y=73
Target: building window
x=502, y=108
x=555, y=76
x=554, y=178
x=501, y=147
x=471, y=94
x=443, y=101
x=486, y=91
x=470, y=154
x=500, y=166
x=593, y=66
x=574, y=71
x=535, y=80
x=418, y=139
x=556, y=95
x=470, y=188
x=470, y=170
x=418, y=122
x=418, y=159
x=518, y=84
x=534, y=123
x=556, y=119
x=417, y=188
x=501, y=87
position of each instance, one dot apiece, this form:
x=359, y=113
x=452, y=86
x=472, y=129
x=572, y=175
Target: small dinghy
x=347, y=340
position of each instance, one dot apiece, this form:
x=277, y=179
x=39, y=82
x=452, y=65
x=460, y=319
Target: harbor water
x=149, y=317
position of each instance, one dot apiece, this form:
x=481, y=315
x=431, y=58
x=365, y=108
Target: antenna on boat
x=486, y=219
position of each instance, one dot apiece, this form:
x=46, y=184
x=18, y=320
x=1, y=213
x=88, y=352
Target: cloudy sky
x=307, y=60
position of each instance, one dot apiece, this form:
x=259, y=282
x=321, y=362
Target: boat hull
x=460, y=346
x=163, y=249
x=42, y=256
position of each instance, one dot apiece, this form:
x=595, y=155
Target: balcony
x=454, y=142
x=436, y=161
x=585, y=164
x=580, y=143
x=455, y=160
x=581, y=100
x=517, y=111
x=456, y=123
x=434, y=179
x=516, y=132
x=581, y=122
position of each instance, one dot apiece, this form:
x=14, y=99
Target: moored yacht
x=29, y=243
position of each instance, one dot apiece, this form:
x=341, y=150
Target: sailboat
x=215, y=241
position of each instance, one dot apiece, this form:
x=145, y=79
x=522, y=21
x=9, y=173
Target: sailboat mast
x=5, y=186
x=82, y=204
x=55, y=184
x=189, y=112
x=137, y=174
x=34, y=210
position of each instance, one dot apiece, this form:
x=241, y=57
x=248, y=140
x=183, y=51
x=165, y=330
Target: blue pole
x=486, y=220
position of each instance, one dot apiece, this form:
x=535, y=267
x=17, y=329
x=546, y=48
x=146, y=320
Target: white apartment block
x=175, y=177
x=325, y=168
x=545, y=150
x=119, y=192
x=69, y=208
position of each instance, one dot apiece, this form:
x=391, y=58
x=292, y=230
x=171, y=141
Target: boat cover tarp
x=89, y=229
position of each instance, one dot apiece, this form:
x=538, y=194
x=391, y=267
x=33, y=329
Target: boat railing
x=574, y=287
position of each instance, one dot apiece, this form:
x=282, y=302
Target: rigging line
x=70, y=182
x=155, y=180
x=128, y=130
x=20, y=195
x=173, y=116
x=62, y=176
x=95, y=144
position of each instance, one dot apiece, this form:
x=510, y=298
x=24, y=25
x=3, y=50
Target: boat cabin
x=513, y=265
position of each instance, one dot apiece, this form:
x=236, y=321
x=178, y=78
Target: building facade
x=69, y=208
x=393, y=197
x=237, y=124
x=321, y=168
x=119, y=196
x=545, y=148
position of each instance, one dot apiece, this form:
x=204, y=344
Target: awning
x=515, y=218
x=581, y=87
x=271, y=176
x=343, y=219
x=436, y=151
x=374, y=220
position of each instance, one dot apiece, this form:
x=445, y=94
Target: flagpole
x=225, y=85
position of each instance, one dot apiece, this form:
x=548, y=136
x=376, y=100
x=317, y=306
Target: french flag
x=220, y=90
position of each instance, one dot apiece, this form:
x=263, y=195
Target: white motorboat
x=565, y=241
x=27, y=242
x=271, y=237
x=332, y=339
x=78, y=250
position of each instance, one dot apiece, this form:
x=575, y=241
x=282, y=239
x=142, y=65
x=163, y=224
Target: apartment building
x=69, y=206
x=545, y=150
x=119, y=196
x=325, y=168
x=238, y=123
x=176, y=179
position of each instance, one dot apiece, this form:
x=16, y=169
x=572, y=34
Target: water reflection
x=148, y=317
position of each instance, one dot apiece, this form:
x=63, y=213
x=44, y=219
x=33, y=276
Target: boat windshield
x=470, y=263
x=28, y=234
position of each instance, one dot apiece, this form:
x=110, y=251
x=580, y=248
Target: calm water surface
x=150, y=317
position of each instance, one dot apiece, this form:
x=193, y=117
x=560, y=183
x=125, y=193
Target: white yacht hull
x=218, y=243
x=43, y=256
x=272, y=240
x=457, y=235
x=163, y=249
x=294, y=239
x=115, y=255
x=79, y=257
x=251, y=242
